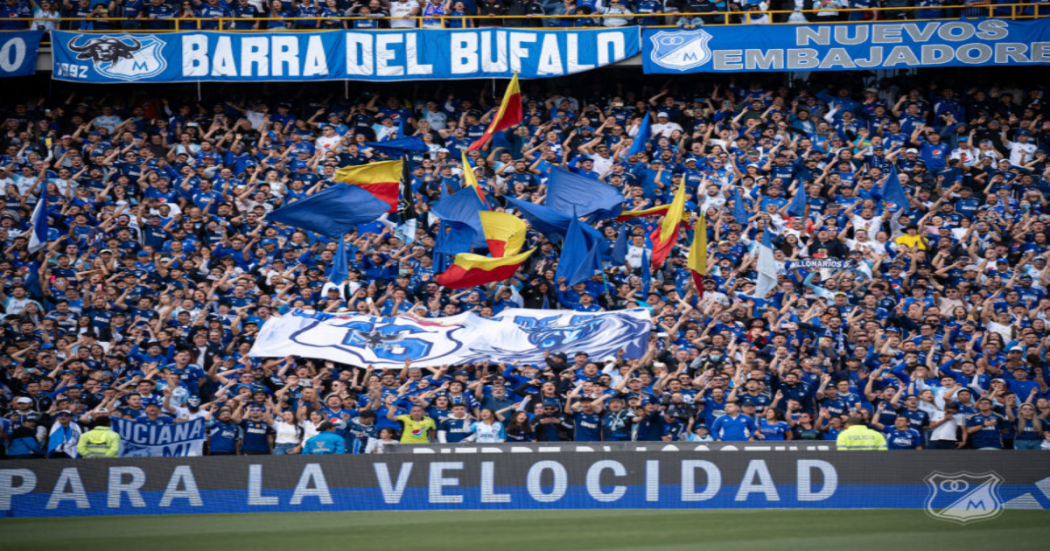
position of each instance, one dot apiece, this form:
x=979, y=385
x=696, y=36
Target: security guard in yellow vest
x=100, y=441
x=858, y=436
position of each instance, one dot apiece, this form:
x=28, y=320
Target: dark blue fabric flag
x=441, y=261
x=739, y=212
x=798, y=202
x=399, y=146
x=647, y=269
x=644, y=135
x=333, y=212
x=580, y=256
x=458, y=238
x=340, y=269
x=619, y=249
x=549, y=222
x=893, y=192
x=577, y=195
x=463, y=207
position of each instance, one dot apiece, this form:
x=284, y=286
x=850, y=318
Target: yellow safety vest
x=859, y=437
x=99, y=442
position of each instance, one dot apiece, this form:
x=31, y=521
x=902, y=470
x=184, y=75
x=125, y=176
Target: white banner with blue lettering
x=160, y=440
x=513, y=335
x=389, y=55
x=975, y=42
x=18, y=52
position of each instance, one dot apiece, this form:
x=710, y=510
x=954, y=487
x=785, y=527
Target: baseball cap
x=662, y=114
x=24, y=400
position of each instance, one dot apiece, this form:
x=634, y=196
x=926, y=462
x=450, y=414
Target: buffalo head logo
x=106, y=49
x=125, y=57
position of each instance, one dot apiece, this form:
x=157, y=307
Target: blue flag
x=398, y=146
x=619, y=249
x=463, y=207
x=38, y=225
x=551, y=223
x=580, y=255
x=454, y=238
x=340, y=269
x=441, y=260
x=645, y=134
x=798, y=202
x=893, y=192
x=647, y=269
x=580, y=196
x=739, y=212
x=333, y=212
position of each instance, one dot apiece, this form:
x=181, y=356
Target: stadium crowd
x=929, y=322
x=102, y=15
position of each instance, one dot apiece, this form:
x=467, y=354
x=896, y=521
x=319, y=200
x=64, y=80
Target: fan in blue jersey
x=986, y=427
x=586, y=415
x=224, y=435
x=733, y=426
x=773, y=427
x=154, y=417
x=648, y=422
x=616, y=422
x=550, y=423
x=327, y=442
x=258, y=433
x=456, y=427
x=359, y=430
x=1029, y=427
x=901, y=436
x=519, y=428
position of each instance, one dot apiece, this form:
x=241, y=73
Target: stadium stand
x=877, y=245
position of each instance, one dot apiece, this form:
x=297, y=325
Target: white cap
x=911, y=150
x=662, y=114
x=24, y=400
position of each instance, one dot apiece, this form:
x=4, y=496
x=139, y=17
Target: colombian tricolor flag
x=666, y=235
x=380, y=179
x=505, y=234
x=471, y=181
x=698, y=255
x=629, y=214
x=509, y=114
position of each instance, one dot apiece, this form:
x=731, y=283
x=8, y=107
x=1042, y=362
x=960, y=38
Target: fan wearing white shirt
x=1021, y=151
x=663, y=126
x=402, y=13
x=329, y=140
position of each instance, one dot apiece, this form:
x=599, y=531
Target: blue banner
x=161, y=440
x=18, y=51
x=966, y=43
x=337, y=55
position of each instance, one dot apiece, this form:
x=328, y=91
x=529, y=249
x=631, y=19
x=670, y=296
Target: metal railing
x=1016, y=11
